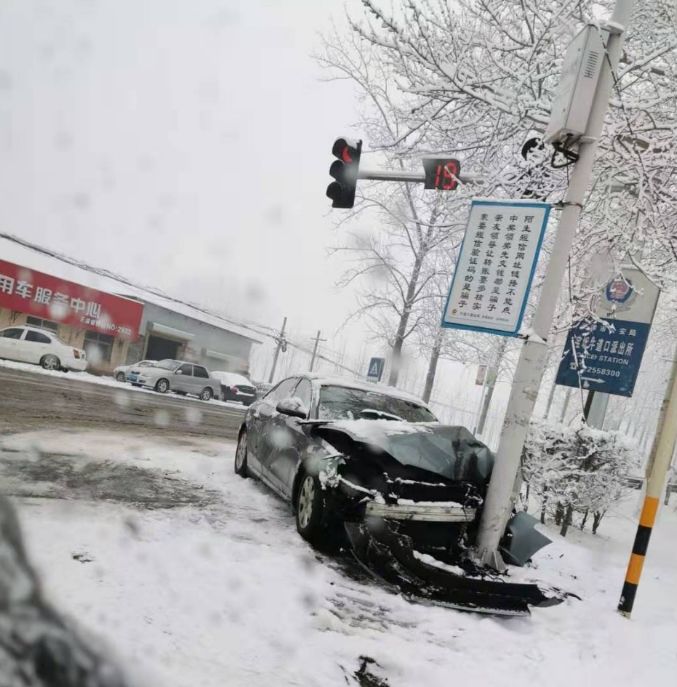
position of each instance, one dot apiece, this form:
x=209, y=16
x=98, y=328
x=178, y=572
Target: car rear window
x=344, y=403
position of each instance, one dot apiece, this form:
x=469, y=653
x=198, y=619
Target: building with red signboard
x=115, y=322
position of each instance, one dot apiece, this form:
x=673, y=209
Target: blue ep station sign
x=603, y=357
x=604, y=352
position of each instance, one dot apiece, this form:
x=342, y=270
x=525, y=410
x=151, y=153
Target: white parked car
x=176, y=375
x=40, y=347
x=120, y=372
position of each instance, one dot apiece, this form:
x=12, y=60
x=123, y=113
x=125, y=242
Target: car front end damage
x=415, y=529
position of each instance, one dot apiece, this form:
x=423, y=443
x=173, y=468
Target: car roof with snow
x=224, y=375
x=365, y=386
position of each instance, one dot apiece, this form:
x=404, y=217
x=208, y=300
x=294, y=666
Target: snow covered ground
x=220, y=590
x=102, y=381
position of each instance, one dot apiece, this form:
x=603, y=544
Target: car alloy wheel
x=120, y=376
x=206, y=394
x=162, y=386
x=241, y=455
x=50, y=362
x=306, y=502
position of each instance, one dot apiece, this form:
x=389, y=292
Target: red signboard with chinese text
x=50, y=298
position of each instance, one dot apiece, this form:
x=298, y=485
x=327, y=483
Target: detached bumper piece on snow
x=390, y=556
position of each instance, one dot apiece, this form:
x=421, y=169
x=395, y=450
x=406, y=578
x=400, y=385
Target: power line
x=255, y=327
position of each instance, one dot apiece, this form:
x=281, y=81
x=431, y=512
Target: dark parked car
x=370, y=467
x=345, y=452
x=235, y=387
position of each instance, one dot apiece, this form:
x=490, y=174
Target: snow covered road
x=34, y=398
x=194, y=576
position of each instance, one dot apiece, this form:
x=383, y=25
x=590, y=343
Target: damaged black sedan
x=371, y=466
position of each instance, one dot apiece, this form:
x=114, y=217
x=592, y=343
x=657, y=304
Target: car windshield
x=167, y=364
x=344, y=403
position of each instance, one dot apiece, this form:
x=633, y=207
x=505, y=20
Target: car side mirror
x=179, y=372
x=293, y=407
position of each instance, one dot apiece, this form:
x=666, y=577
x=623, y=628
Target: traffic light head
x=344, y=170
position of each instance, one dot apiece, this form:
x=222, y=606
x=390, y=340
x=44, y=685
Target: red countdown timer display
x=441, y=174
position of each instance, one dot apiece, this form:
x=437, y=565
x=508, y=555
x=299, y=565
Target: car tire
x=120, y=376
x=311, y=512
x=240, y=462
x=162, y=386
x=206, y=394
x=50, y=362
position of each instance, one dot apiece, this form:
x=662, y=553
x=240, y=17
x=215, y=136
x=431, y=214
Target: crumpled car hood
x=451, y=452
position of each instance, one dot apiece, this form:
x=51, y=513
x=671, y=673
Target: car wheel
x=120, y=376
x=310, y=512
x=162, y=386
x=206, y=394
x=50, y=362
x=241, y=455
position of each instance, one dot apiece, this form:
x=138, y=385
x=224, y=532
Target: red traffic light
x=344, y=170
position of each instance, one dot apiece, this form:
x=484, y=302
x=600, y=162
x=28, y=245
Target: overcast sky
x=184, y=143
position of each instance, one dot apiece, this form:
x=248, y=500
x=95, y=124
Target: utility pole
x=317, y=343
x=492, y=376
x=529, y=372
x=659, y=462
x=281, y=346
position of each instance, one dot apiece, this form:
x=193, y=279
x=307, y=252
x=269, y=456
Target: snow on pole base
x=391, y=557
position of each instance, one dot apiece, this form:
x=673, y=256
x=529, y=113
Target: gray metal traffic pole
x=280, y=339
x=565, y=405
x=551, y=397
x=597, y=411
x=499, y=501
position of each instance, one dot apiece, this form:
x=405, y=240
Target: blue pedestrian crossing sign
x=375, y=370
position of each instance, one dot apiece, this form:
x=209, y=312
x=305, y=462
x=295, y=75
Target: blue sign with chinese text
x=603, y=355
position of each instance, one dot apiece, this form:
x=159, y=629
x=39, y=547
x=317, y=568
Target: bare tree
x=395, y=261
x=476, y=77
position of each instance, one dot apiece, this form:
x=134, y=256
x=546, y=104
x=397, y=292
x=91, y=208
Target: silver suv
x=176, y=375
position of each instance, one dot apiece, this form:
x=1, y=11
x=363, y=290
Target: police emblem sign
x=495, y=266
x=604, y=351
